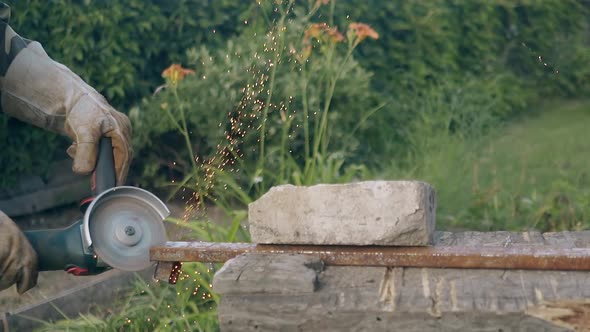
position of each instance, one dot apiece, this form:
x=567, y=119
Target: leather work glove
x=18, y=260
x=42, y=92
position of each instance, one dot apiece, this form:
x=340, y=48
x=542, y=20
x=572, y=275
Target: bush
x=465, y=108
x=25, y=150
x=426, y=40
x=529, y=175
x=119, y=47
x=256, y=90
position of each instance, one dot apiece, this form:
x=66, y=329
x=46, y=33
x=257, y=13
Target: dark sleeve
x=10, y=42
x=4, y=12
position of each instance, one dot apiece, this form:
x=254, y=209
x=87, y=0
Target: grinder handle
x=104, y=176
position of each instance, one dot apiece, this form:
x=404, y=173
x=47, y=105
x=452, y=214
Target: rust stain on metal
x=168, y=271
x=521, y=257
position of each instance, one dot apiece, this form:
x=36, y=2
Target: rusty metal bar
x=516, y=257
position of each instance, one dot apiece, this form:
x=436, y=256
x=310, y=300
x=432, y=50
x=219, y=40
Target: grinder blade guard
x=120, y=226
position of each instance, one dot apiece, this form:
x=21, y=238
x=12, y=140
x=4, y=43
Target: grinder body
x=63, y=249
x=119, y=226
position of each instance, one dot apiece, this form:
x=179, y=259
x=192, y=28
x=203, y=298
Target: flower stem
x=267, y=104
x=332, y=7
x=184, y=130
x=305, y=113
x=329, y=94
x=284, y=150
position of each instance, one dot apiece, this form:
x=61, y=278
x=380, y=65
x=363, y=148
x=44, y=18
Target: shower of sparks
x=254, y=107
x=245, y=118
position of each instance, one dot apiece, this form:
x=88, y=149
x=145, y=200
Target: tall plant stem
x=284, y=149
x=273, y=71
x=184, y=130
x=305, y=113
x=332, y=8
x=320, y=137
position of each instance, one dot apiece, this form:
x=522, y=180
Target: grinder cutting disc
x=121, y=225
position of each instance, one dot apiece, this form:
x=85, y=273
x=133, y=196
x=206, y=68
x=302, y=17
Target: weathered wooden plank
x=401, y=299
x=271, y=275
x=355, y=298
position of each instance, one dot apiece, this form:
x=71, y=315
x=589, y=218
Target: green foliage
x=531, y=174
x=153, y=307
x=464, y=109
x=119, y=47
x=422, y=41
x=25, y=149
x=257, y=102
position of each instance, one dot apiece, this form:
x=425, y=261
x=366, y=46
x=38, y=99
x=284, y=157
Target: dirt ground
x=52, y=283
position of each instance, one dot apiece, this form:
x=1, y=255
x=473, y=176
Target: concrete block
x=392, y=213
x=366, y=298
x=268, y=274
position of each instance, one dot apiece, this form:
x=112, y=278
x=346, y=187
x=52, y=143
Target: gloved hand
x=18, y=260
x=42, y=92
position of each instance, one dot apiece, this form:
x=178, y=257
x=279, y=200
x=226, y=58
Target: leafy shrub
x=256, y=92
x=528, y=175
x=119, y=47
x=465, y=108
x=427, y=39
x=518, y=52
x=25, y=149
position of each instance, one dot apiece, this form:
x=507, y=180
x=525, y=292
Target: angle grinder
x=118, y=227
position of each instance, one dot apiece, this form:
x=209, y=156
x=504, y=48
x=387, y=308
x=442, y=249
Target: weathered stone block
x=366, y=298
x=392, y=213
x=268, y=274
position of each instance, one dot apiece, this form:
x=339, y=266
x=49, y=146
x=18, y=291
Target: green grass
x=532, y=173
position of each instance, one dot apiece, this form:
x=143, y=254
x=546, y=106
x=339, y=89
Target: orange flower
x=362, y=31
x=323, y=33
x=314, y=31
x=175, y=73
x=335, y=35
x=320, y=31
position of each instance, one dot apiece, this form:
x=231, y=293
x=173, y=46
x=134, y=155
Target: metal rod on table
x=518, y=257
